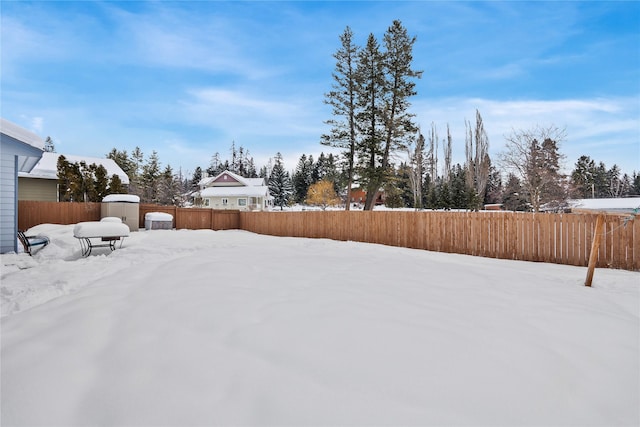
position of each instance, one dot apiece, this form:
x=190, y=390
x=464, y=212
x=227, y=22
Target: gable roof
x=21, y=134
x=228, y=178
x=228, y=184
x=47, y=167
x=22, y=143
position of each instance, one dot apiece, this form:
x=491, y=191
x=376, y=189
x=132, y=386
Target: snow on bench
x=106, y=231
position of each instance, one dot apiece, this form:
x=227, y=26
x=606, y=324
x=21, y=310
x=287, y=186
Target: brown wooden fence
x=195, y=218
x=32, y=213
x=555, y=238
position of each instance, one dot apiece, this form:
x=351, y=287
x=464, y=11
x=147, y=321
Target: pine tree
x=280, y=186
x=513, y=198
x=583, y=178
x=399, y=87
x=302, y=178
x=101, y=182
x=371, y=91
x=195, y=179
x=150, y=179
x=115, y=185
x=64, y=179
x=342, y=99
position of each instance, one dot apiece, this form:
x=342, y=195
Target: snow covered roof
x=227, y=178
x=129, y=198
x=613, y=204
x=47, y=167
x=21, y=134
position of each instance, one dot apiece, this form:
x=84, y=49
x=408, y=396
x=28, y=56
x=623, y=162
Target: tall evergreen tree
x=65, y=177
x=101, y=182
x=399, y=87
x=280, y=186
x=150, y=179
x=343, y=100
x=195, y=179
x=371, y=91
x=583, y=178
x=302, y=178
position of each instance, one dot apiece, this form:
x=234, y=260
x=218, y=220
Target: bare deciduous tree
x=478, y=162
x=533, y=156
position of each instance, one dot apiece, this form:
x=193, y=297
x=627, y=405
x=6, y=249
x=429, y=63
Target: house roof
x=26, y=145
x=47, y=167
x=229, y=184
x=212, y=181
x=624, y=204
x=21, y=134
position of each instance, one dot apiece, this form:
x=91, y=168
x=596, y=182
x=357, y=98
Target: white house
x=231, y=191
x=41, y=183
x=20, y=150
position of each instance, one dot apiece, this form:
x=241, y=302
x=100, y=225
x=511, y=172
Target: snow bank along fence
x=554, y=238
x=545, y=237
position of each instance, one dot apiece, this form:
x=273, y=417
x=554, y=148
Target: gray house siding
x=15, y=155
x=44, y=190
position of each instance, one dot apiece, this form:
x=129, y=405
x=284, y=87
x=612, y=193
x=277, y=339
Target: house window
x=225, y=202
x=242, y=202
x=206, y=202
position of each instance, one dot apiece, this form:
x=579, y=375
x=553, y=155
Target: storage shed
x=124, y=206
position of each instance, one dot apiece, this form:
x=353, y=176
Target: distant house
x=41, y=183
x=20, y=150
x=623, y=205
x=359, y=197
x=231, y=191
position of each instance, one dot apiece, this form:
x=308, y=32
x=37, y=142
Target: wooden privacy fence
x=554, y=238
x=31, y=213
x=195, y=218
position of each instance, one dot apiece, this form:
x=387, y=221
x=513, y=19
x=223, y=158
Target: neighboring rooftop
x=620, y=204
x=47, y=167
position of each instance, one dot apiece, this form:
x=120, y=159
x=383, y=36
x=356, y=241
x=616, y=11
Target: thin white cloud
x=606, y=129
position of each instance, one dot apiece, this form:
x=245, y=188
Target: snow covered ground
x=183, y=328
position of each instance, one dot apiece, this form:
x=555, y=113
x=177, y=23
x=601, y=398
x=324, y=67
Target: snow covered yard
x=183, y=328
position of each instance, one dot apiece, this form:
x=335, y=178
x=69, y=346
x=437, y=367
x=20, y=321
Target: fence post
x=593, y=257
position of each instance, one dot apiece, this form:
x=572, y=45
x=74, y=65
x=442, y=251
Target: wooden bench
x=31, y=242
x=105, y=234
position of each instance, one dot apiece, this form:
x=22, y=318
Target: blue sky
x=187, y=78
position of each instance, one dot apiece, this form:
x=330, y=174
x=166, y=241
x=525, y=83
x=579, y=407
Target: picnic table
x=100, y=234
